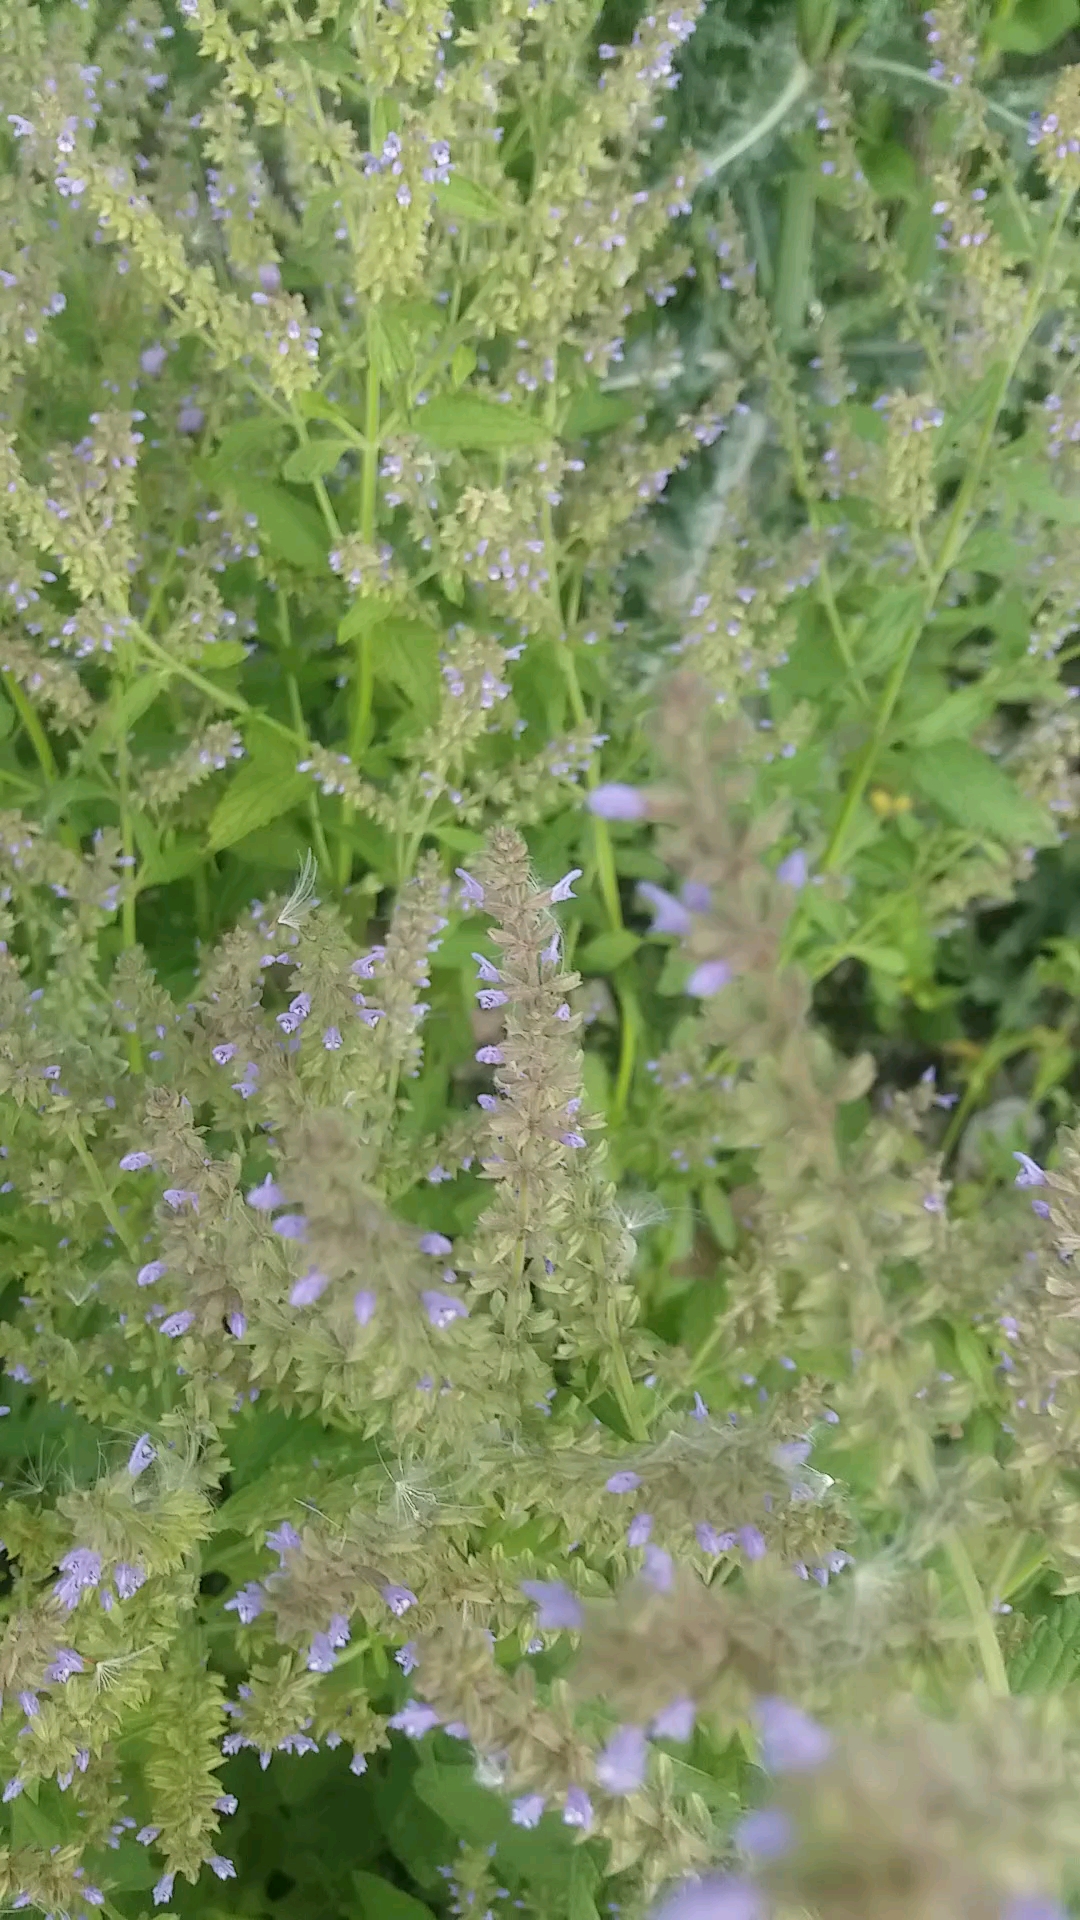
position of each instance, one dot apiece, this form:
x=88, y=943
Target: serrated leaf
x=316, y=460
x=607, y=951
x=459, y=422
x=289, y=528
x=405, y=652
x=237, y=443
x=173, y=863
x=972, y=790
x=261, y=791
x=466, y=199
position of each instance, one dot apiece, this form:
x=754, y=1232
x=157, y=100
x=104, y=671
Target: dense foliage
x=537, y=949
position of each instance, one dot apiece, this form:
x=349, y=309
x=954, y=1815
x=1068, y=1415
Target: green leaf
x=1031, y=26
x=264, y=788
x=607, y=951
x=593, y=411
x=466, y=199
x=716, y=1207
x=314, y=461
x=888, y=627
x=220, y=655
x=405, y=652
x=971, y=789
x=953, y=718
x=171, y=863
x=289, y=527
x=465, y=421
x=7, y=716
x=237, y=444
x=377, y=1899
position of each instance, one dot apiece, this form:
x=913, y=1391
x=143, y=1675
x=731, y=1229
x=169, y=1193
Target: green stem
x=794, y=254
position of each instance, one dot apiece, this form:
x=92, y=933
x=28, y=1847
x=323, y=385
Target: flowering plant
x=345, y=1410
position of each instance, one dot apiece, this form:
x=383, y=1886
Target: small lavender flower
x=790, y=1741
x=792, y=871
x=578, y=1809
x=291, y=1226
x=767, y=1833
x=708, y=979
x=558, y=1607
x=719, y=1897
x=669, y=915
x=135, y=1162
x=282, y=1540
x=752, y=1542
x=615, y=801
x=163, y=1889
x=177, y=1197
x=364, y=1304
x=712, y=1542
x=675, y=1722
x=414, y=1719
x=247, y=1603
x=442, y=1308
x=81, y=1569
x=637, y=1533
x=152, y=1271
x=142, y=1455
x=63, y=1664
x=621, y=1767
x=471, y=889
x=310, y=1288
x=528, y=1810
x=562, y=888
x=128, y=1578
x=175, y=1325
x=222, y=1867
x=659, y=1569
x=436, y=1244
x=625, y=1481
x=407, y=1657
x=398, y=1599
x=266, y=1196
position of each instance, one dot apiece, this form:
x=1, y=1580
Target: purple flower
x=668, y=915
x=578, y=1808
x=237, y=1324
x=625, y=1481
x=752, y=1542
x=486, y=970
x=436, y=1244
x=177, y=1324
x=528, y=1811
x=561, y=890
x=153, y=1270
x=708, y=978
x=790, y=1741
x=247, y=1604
x=135, y=1162
x=81, y=1569
x=719, y=1897
x=767, y=1832
x=637, y=1533
x=1032, y=1906
x=226, y=1804
x=321, y=1657
x=128, y=1578
x=142, y=1455
x=398, y=1599
x=281, y=1540
x=163, y=1889
x=712, y=1542
x=675, y=1722
x=792, y=871
x=472, y=890
x=621, y=1766
x=615, y=801
x=1031, y=1174
x=177, y=1197
x=415, y=1719
x=152, y=359
x=407, y=1657
x=11, y=1791
x=188, y=420
x=291, y=1226
x=557, y=1606
x=364, y=1304
x=442, y=1308
x=332, y=1039
x=305, y=1292
x=223, y=1054
x=659, y=1569
x=266, y=1195
x=64, y=1663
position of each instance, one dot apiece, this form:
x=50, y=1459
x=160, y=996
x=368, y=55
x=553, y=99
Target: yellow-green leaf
x=460, y=421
